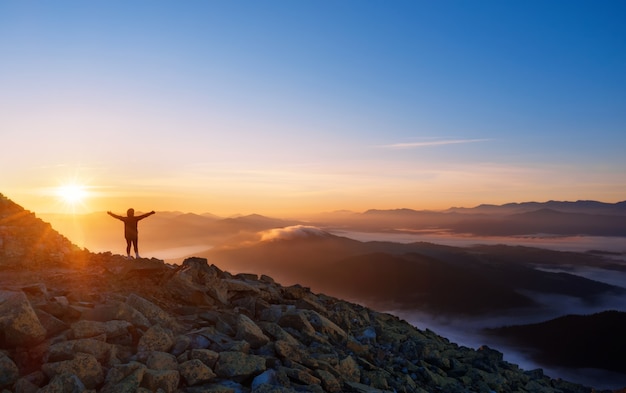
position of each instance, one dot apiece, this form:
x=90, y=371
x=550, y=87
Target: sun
x=72, y=194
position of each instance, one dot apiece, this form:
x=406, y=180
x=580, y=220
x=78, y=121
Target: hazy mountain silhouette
x=285, y=259
x=553, y=217
x=581, y=341
x=253, y=222
x=437, y=279
x=545, y=220
x=581, y=207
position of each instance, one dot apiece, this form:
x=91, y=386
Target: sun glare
x=72, y=194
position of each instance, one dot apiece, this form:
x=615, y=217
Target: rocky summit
x=85, y=322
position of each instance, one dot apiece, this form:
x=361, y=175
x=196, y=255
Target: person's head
x=130, y=212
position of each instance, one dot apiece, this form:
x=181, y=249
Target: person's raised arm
x=115, y=216
x=141, y=217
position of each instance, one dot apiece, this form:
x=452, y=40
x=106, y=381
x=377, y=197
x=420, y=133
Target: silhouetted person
x=130, y=229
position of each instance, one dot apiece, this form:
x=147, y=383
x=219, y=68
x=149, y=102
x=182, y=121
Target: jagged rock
x=302, y=376
x=195, y=372
x=368, y=335
x=124, y=377
x=206, y=356
x=237, y=364
x=182, y=287
x=278, y=333
x=60, y=308
x=9, y=372
x=267, y=377
x=156, y=338
x=85, y=366
x=240, y=288
x=36, y=293
x=167, y=380
x=155, y=314
x=287, y=350
x=356, y=347
x=65, y=350
x=139, y=268
x=219, y=321
x=349, y=368
x=161, y=361
x=195, y=280
x=272, y=313
x=249, y=331
x=310, y=302
x=325, y=326
x=129, y=314
x=377, y=378
x=298, y=322
x=295, y=292
x=18, y=321
x=127, y=384
x=328, y=380
x=66, y=383
x=112, y=329
x=23, y=385
x=181, y=344
x=199, y=341
x=50, y=323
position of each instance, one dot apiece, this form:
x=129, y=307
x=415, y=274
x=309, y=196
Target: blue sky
x=281, y=107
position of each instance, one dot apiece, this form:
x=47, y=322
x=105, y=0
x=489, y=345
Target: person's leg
x=136, y=248
x=128, y=248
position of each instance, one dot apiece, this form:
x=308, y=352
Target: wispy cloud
x=441, y=142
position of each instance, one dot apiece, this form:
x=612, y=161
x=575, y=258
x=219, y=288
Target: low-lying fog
x=551, y=242
x=466, y=332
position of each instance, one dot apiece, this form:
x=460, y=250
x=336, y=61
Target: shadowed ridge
x=28, y=242
x=580, y=341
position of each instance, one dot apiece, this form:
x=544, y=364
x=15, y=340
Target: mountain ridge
x=101, y=323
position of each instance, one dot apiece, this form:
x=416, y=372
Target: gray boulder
x=66, y=383
x=18, y=321
x=166, y=380
x=206, y=356
x=161, y=361
x=84, y=366
x=156, y=338
x=237, y=364
x=195, y=372
x=249, y=331
x=155, y=314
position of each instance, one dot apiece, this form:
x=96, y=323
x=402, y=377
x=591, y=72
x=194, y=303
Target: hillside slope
x=101, y=323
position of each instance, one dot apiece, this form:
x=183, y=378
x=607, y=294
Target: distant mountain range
x=582, y=207
x=557, y=218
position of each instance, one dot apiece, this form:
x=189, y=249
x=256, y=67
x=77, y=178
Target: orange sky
x=298, y=193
